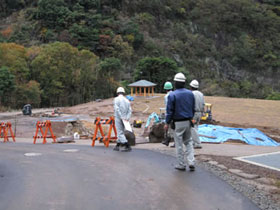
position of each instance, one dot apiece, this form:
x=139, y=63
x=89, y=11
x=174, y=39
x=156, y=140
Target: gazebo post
x=136, y=91
x=144, y=91
x=131, y=91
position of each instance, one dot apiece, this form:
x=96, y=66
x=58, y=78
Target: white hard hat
x=120, y=90
x=194, y=84
x=179, y=77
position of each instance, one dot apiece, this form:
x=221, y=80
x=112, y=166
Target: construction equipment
x=207, y=114
x=137, y=123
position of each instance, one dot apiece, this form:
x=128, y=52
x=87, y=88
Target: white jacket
x=199, y=101
x=122, y=107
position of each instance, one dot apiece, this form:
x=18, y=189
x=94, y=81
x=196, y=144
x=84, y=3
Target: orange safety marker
x=106, y=139
x=4, y=131
x=40, y=126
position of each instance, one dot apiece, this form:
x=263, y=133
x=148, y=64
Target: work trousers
x=120, y=131
x=182, y=136
x=170, y=132
x=194, y=130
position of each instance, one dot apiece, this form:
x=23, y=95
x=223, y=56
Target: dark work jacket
x=180, y=105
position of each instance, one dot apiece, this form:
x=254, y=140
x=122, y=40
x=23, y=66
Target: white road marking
x=258, y=164
x=32, y=154
x=70, y=150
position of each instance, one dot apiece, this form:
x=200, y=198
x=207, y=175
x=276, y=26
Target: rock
x=213, y=162
x=68, y=129
x=156, y=134
x=267, y=181
x=130, y=137
x=65, y=139
x=243, y=175
x=222, y=166
x=205, y=159
x=84, y=128
x=249, y=176
x=234, y=171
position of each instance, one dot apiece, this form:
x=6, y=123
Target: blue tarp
x=130, y=98
x=221, y=134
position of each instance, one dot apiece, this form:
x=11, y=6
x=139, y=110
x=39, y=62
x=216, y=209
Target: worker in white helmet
x=122, y=111
x=198, y=111
x=180, y=109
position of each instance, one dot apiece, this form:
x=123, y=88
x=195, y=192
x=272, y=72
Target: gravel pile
x=262, y=199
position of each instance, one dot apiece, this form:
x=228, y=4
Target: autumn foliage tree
x=65, y=74
x=14, y=56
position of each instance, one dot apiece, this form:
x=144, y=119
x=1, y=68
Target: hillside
x=232, y=47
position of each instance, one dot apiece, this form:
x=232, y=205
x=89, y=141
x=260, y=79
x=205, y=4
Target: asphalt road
x=99, y=178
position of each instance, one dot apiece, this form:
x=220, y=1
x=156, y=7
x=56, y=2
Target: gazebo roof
x=142, y=83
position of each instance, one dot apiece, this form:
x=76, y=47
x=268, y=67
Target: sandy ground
x=231, y=112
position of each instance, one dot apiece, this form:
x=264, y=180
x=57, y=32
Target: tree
x=157, y=70
x=54, y=13
x=15, y=58
x=7, y=85
x=109, y=71
x=121, y=49
x=28, y=93
x=65, y=74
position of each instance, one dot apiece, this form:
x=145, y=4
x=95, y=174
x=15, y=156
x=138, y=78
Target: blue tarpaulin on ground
x=220, y=134
x=130, y=98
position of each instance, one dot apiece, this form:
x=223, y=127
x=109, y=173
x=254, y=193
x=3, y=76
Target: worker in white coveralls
x=170, y=133
x=180, y=109
x=198, y=111
x=122, y=111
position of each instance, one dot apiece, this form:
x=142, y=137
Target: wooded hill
x=65, y=52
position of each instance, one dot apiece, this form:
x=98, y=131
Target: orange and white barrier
x=40, y=126
x=98, y=126
x=4, y=131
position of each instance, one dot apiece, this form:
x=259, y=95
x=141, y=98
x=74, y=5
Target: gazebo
x=142, y=88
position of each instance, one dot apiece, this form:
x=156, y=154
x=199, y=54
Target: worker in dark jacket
x=180, y=109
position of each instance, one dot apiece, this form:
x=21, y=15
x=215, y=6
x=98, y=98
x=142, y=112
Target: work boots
x=117, y=147
x=166, y=141
x=126, y=148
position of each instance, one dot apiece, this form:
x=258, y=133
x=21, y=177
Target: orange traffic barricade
x=98, y=126
x=40, y=126
x=5, y=128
